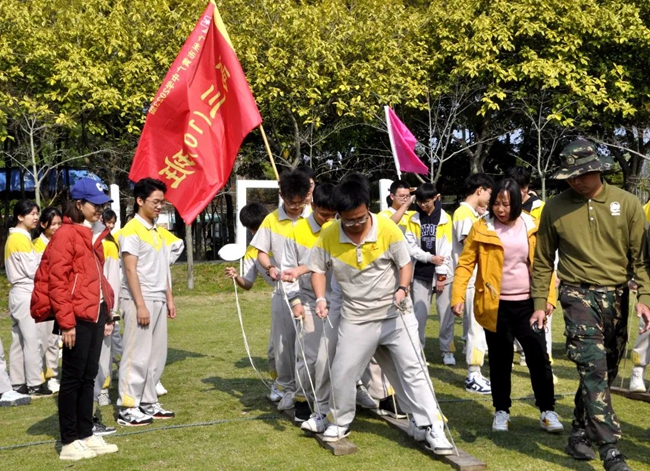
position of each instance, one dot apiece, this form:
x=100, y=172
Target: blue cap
x=89, y=190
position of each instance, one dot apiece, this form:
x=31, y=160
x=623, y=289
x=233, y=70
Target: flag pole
x=392, y=143
x=268, y=150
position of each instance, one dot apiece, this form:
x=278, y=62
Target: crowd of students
x=70, y=288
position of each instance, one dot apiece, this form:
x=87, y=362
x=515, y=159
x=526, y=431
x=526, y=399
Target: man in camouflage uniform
x=598, y=230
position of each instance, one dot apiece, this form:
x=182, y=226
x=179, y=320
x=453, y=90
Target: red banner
x=196, y=124
x=403, y=143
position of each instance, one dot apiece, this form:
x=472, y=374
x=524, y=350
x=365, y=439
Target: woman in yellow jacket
x=502, y=246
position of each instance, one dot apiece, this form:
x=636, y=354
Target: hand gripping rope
x=419, y=353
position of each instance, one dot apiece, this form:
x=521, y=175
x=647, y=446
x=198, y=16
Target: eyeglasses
x=156, y=203
x=354, y=222
x=296, y=205
x=99, y=207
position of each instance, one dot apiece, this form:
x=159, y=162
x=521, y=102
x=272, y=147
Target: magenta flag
x=403, y=143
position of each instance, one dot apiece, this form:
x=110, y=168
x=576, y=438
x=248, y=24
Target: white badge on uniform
x=615, y=208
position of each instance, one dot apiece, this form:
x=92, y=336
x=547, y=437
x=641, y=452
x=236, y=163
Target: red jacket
x=70, y=277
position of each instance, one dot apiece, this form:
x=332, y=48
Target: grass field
x=224, y=422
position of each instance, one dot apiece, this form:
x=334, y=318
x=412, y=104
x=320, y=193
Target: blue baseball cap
x=89, y=190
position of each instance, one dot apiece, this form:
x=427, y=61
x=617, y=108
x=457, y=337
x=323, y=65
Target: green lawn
x=224, y=422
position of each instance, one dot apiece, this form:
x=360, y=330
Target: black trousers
x=513, y=322
x=78, y=371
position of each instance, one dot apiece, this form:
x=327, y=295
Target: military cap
x=580, y=157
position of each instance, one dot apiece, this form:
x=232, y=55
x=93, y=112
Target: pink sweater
x=515, y=280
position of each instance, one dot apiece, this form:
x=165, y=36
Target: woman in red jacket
x=81, y=300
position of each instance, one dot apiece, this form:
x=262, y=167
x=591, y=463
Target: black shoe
x=302, y=411
x=100, y=429
x=39, y=391
x=22, y=389
x=615, y=461
x=389, y=406
x=579, y=446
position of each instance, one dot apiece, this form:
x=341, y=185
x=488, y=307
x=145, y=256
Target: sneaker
x=334, y=433
x=317, y=423
x=156, y=411
x=579, y=446
x=302, y=412
x=53, y=385
x=437, y=441
x=14, y=398
x=387, y=406
x=103, y=399
x=99, y=445
x=39, y=391
x=522, y=359
x=418, y=433
x=448, y=359
x=133, y=417
x=615, y=461
x=76, y=451
x=501, y=421
x=160, y=389
x=100, y=429
x=22, y=389
x=550, y=421
x=275, y=395
x=287, y=401
x=364, y=400
x=636, y=380
x=477, y=383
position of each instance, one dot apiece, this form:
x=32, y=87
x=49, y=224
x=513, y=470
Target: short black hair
x=352, y=192
x=294, y=184
x=47, y=216
x=476, y=181
x=509, y=186
x=520, y=174
x=252, y=215
x=397, y=184
x=144, y=188
x=23, y=208
x=323, y=196
x=306, y=170
x=425, y=192
x=108, y=214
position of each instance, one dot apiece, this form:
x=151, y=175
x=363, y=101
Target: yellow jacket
x=483, y=248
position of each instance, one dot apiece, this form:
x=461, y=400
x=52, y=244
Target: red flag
x=201, y=114
x=403, y=145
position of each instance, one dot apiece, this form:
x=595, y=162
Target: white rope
x=419, y=353
x=243, y=332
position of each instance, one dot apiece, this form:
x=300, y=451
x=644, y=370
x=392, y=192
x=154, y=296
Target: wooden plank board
x=339, y=448
x=461, y=462
x=639, y=396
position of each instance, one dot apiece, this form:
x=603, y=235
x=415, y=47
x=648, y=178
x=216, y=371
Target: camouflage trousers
x=596, y=332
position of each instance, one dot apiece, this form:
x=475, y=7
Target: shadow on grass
x=48, y=426
x=174, y=355
x=261, y=364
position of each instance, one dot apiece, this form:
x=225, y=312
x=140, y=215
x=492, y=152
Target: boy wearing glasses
x=270, y=240
x=146, y=303
x=428, y=234
x=372, y=265
x=399, y=201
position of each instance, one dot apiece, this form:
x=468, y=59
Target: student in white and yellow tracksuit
x=48, y=223
x=21, y=263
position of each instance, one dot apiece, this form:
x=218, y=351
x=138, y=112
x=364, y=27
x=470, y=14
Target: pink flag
x=403, y=144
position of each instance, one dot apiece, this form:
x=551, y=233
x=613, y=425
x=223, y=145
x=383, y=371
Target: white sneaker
x=14, y=398
x=418, y=433
x=287, y=401
x=76, y=451
x=636, y=380
x=550, y=421
x=317, y=423
x=275, y=395
x=99, y=445
x=334, y=433
x=133, y=417
x=477, y=383
x=160, y=389
x=364, y=399
x=501, y=421
x=448, y=359
x=522, y=359
x=103, y=399
x=437, y=441
x=53, y=385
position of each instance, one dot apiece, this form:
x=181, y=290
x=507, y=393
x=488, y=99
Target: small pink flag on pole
x=403, y=143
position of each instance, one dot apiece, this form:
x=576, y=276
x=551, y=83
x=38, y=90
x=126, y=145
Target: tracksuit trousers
x=25, y=353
